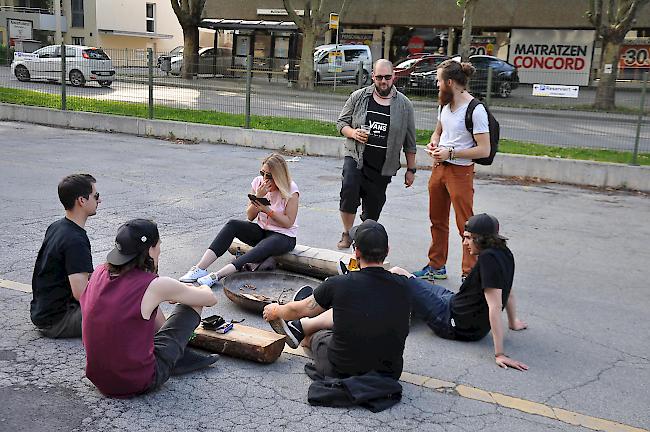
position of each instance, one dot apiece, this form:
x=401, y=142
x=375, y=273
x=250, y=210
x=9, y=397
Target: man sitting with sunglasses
x=64, y=261
x=378, y=121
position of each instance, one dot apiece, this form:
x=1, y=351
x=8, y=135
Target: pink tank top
x=118, y=341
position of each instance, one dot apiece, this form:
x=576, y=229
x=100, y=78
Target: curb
x=571, y=171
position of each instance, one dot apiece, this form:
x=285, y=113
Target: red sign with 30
x=634, y=57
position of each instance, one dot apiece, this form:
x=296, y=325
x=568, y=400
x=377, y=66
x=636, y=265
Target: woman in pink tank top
x=130, y=347
x=271, y=227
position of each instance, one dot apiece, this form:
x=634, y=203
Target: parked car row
x=419, y=75
x=82, y=64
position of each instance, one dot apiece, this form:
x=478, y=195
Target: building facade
x=109, y=24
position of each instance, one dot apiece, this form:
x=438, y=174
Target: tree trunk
x=466, y=38
x=306, y=76
x=190, y=51
x=606, y=92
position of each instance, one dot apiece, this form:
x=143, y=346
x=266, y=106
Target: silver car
x=210, y=62
x=82, y=64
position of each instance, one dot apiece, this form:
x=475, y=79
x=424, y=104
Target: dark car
x=504, y=77
x=416, y=64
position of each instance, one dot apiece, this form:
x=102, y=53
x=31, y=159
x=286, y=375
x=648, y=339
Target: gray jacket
x=401, y=132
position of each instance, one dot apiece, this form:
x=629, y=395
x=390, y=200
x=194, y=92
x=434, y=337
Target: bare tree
x=313, y=24
x=612, y=20
x=189, y=14
x=466, y=38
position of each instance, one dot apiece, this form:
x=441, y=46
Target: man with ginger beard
x=378, y=121
x=453, y=149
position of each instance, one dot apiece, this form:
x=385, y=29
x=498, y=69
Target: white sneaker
x=209, y=279
x=193, y=274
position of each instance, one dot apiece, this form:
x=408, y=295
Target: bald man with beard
x=378, y=122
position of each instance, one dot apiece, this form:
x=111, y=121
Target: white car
x=82, y=64
x=210, y=62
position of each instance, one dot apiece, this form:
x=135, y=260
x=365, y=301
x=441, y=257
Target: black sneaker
x=291, y=329
x=303, y=293
x=193, y=361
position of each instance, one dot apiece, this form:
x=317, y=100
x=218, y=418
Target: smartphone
x=263, y=201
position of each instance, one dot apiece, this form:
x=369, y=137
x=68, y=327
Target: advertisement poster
x=552, y=56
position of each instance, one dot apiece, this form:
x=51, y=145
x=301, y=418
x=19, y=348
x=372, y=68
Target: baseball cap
x=370, y=237
x=483, y=224
x=132, y=238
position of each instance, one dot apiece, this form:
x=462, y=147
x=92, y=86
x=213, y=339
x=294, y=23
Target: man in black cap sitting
x=476, y=309
x=360, y=320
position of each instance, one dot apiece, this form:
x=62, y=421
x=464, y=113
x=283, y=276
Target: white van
x=352, y=55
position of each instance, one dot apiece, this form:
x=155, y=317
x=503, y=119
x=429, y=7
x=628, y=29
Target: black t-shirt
x=374, y=154
x=371, y=320
x=65, y=251
x=495, y=268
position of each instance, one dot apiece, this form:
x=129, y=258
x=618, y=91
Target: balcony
x=41, y=19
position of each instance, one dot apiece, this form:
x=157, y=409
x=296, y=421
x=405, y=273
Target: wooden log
x=242, y=341
x=305, y=260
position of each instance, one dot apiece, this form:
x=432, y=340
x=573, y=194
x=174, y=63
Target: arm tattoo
x=311, y=303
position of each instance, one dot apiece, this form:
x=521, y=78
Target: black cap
x=483, y=224
x=132, y=238
x=370, y=237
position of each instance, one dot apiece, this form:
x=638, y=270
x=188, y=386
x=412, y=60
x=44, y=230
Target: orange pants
x=450, y=184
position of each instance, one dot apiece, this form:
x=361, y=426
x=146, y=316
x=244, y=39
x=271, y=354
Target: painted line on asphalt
x=16, y=286
x=522, y=405
x=468, y=392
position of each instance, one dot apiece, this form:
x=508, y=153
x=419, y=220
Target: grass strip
x=286, y=124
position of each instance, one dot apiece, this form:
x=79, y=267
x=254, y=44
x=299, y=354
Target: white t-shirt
x=454, y=131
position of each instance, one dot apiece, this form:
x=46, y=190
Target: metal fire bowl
x=254, y=290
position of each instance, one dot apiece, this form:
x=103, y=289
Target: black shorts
x=358, y=187
x=170, y=341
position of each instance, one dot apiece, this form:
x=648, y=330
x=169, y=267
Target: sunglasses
x=95, y=195
x=383, y=77
x=266, y=175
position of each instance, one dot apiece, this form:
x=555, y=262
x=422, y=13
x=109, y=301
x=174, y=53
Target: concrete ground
x=581, y=285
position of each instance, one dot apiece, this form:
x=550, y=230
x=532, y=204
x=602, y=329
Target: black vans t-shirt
x=378, y=118
x=65, y=251
x=371, y=320
x=495, y=268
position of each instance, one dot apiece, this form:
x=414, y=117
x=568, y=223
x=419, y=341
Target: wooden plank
x=306, y=260
x=242, y=341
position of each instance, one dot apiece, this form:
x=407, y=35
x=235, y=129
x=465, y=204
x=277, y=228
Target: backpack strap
x=469, y=123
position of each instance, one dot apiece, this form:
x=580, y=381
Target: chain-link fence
x=252, y=92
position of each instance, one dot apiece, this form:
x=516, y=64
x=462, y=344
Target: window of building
x=78, y=40
x=151, y=17
x=77, y=13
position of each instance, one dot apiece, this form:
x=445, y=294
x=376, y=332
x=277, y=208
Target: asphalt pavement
x=581, y=284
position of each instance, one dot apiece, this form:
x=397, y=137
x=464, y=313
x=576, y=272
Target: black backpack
x=494, y=130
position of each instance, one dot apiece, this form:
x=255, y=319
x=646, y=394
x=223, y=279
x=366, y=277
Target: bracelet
x=270, y=214
x=499, y=354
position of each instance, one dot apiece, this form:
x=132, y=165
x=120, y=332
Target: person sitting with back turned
x=476, y=309
x=130, y=347
x=360, y=319
x=274, y=232
x=64, y=261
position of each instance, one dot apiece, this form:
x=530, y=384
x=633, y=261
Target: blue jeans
x=432, y=303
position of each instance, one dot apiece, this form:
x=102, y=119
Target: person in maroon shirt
x=131, y=348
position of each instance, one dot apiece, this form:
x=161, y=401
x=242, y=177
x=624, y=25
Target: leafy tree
x=612, y=20
x=189, y=14
x=312, y=24
x=466, y=38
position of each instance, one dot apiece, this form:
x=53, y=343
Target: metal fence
x=244, y=91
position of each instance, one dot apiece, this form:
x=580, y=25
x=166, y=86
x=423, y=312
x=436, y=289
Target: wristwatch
x=413, y=170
